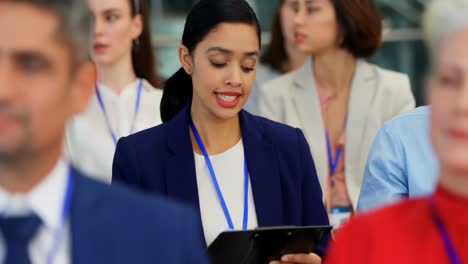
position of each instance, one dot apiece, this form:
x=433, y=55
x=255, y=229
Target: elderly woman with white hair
x=432, y=229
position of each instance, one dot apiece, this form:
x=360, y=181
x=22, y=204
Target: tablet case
x=265, y=244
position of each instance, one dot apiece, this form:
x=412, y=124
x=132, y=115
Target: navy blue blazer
x=112, y=224
x=284, y=182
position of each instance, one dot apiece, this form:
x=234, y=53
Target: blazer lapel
x=362, y=92
x=263, y=172
x=181, y=180
x=308, y=108
x=180, y=172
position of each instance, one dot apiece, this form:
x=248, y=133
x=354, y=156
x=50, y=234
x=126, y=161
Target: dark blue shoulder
x=117, y=200
x=111, y=215
x=153, y=138
x=275, y=132
x=150, y=136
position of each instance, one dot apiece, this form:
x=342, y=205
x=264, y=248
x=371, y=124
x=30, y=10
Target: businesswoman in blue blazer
x=240, y=170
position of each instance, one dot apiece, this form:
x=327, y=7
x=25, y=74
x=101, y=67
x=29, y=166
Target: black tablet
x=265, y=244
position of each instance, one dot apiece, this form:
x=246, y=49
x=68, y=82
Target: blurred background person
x=337, y=98
x=49, y=211
x=437, y=224
x=401, y=161
x=126, y=99
x=282, y=54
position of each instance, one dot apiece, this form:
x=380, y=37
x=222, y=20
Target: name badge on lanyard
x=106, y=116
x=227, y=215
x=338, y=215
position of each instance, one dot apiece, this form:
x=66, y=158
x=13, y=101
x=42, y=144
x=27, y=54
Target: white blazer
x=377, y=95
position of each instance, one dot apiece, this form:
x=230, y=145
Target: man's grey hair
x=76, y=24
x=441, y=19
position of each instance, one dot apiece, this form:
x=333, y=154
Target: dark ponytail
x=203, y=17
x=177, y=93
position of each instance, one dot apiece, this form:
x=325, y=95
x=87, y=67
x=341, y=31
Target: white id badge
x=339, y=216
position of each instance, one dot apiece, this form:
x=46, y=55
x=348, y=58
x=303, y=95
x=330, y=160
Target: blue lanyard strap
x=449, y=247
x=333, y=163
x=106, y=116
x=216, y=184
x=58, y=234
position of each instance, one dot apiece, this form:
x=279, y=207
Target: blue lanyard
x=449, y=247
x=106, y=117
x=333, y=163
x=216, y=185
x=58, y=234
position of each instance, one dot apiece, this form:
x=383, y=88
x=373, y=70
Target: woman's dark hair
x=143, y=58
x=275, y=55
x=360, y=26
x=202, y=19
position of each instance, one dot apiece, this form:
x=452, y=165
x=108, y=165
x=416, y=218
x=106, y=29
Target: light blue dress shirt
x=401, y=162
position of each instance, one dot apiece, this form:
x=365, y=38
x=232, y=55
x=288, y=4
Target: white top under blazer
x=229, y=169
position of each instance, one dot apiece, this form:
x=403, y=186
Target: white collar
x=130, y=89
x=46, y=199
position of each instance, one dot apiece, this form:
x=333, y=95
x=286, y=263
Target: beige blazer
x=263, y=74
x=377, y=95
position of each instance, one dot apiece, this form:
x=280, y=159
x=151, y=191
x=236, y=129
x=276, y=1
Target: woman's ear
x=137, y=26
x=185, y=59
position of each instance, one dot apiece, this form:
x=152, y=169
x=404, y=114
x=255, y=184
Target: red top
x=404, y=233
